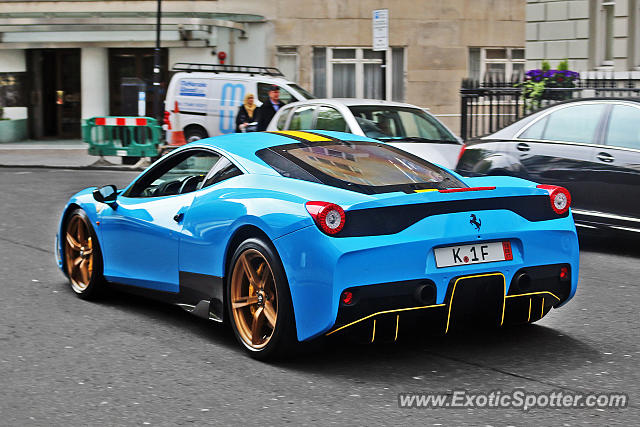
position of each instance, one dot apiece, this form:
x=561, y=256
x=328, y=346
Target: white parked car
x=405, y=126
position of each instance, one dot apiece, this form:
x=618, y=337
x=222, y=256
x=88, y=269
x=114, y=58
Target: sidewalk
x=66, y=154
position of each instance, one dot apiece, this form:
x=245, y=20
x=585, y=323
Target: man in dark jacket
x=268, y=108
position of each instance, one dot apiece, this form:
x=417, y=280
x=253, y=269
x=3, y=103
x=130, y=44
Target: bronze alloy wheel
x=78, y=253
x=254, y=299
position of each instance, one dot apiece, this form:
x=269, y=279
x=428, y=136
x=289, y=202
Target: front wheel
x=82, y=256
x=259, y=302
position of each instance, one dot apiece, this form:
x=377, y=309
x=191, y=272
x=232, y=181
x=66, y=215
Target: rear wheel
x=82, y=256
x=259, y=302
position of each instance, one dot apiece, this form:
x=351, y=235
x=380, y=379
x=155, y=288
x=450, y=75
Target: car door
x=617, y=184
x=204, y=239
x=559, y=148
x=141, y=235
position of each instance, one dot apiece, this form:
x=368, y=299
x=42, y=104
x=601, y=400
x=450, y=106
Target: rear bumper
x=403, y=308
x=319, y=268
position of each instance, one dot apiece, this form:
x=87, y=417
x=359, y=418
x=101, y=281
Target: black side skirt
x=200, y=294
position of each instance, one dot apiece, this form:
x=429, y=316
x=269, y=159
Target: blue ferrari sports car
x=290, y=236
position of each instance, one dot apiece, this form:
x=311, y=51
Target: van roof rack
x=220, y=68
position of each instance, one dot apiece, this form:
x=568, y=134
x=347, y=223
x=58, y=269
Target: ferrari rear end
x=481, y=252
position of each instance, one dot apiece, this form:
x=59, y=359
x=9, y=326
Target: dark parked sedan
x=589, y=146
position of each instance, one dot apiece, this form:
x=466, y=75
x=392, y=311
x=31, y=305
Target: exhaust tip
x=425, y=294
x=523, y=281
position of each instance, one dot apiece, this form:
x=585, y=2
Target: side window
x=624, y=127
x=180, y=174
x=302, y=118
x=263, y=93
x=574, y=124
x=282, y=120
x=224, y=169
x=330, y=119
x=536, y=130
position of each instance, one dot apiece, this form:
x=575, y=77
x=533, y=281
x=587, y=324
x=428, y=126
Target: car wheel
x=82, y=256
x=259, y=302
x=194, y=133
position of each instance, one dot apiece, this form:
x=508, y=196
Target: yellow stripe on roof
x=311, y=137
x=425, y=190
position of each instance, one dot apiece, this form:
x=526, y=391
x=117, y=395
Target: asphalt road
x=131, y=361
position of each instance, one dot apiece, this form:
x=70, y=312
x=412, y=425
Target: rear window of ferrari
x=362, y=166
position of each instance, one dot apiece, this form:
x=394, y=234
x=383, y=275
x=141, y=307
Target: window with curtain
x=347, y=72
x=497, y=63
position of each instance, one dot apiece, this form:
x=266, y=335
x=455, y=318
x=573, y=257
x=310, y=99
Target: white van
x=203, y=99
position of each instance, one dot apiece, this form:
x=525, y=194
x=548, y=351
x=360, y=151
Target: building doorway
x=54, y=79
x=133, y=64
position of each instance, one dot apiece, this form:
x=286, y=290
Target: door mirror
x=106, y=194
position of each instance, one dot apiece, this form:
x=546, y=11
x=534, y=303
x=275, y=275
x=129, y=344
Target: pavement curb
x=98, y=168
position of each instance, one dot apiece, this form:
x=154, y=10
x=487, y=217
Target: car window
x=302, y=118
x=390, y=123
x=362, y=166
x=224, y=169
x=282, y=120
x=263, y=93
x=536, y=130
x=624, y=127
x=179, y=174
x=577, y=123
x=330, y=119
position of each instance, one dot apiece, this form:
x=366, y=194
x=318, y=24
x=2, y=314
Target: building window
x=634, y=25
x=348, y=72
x=287, y=58
x=496, y=63
x=602, y=32
x=608, y=8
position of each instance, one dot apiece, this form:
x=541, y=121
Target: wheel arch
x=91, y=213
x=242, y=233
x=502, y=163
x=195, y=126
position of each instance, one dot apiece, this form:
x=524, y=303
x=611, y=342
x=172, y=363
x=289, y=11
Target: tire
x=194, y=133
x=264, y=323
x=82, y=256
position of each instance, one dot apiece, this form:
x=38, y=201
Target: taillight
x=464, y=147
x=166, y=120
x=559, y=196
x=329, y=217
x=347, y=297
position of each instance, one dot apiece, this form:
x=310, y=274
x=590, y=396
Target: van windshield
x=302, y=91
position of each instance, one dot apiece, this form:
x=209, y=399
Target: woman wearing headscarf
x=246, y=113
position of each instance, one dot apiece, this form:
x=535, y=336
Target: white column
x=94, y=75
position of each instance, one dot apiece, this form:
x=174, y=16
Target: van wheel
x=194, y=133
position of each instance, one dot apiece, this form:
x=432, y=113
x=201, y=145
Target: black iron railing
x=490, y=105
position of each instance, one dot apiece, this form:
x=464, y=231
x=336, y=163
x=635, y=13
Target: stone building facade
x=73, y=56
x=594, y=35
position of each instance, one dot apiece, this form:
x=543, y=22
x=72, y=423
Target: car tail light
x=559, y=196
x=175, y=107
x=329, y=217
x=346, y=297
x=564, y=273
x=166, y=120
x=462, y=149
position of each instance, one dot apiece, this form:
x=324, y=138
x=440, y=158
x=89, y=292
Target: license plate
x=477, y=253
